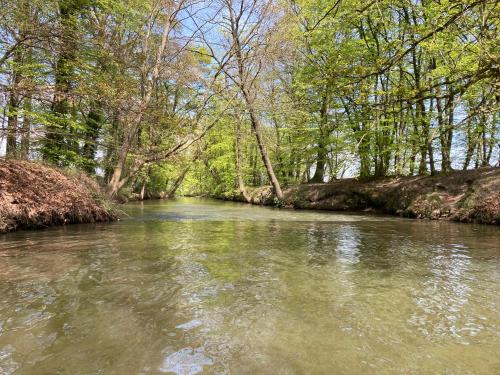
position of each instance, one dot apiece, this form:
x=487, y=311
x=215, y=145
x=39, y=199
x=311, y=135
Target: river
x=198, y=286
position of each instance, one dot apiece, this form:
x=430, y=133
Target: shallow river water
x=197, y=286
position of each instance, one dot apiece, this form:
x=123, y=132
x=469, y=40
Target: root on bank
x=465, y=196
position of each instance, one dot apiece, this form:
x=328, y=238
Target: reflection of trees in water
x=262, y=287
x=32, y=270
x=244, y=293
x=227, y=286
x=349, y=241
x=372, y=246
x=327, y=242
x=243, y=316
x=97, y=293
x=442, y=300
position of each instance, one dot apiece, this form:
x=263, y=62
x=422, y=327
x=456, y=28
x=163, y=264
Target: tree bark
x=93, y=125
x=249, y=97
x=239, y=175
x=178, y=182
x=12, y=122
x=143, y=191
x=13, y=105
x=58, y=138
x=256, y=126
x=319, y=173
x=26, y=130
x=117, y=182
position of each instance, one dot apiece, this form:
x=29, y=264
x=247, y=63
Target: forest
x=218, y=96
x=272, y=187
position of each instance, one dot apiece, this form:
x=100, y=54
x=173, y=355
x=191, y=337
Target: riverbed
x=198, y=286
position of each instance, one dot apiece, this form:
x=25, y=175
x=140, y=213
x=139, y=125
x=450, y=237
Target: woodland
x=217, y=96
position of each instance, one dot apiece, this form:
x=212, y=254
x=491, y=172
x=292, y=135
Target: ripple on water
x=187, y=361
x=190, y=325
x=250, y=290
x=7, y=365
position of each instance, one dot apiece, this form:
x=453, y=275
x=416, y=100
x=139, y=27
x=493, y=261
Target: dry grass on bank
x=33, y=195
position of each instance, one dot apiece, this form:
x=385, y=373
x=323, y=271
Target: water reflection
x=444, y=294
x=186, y=361
x=349, y=238
x=200, y=287
x=7, y=365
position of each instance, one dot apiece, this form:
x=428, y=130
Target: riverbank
x=33, y=195
x=465, y=196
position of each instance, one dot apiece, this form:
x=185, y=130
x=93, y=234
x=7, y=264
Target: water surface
x=193, y=286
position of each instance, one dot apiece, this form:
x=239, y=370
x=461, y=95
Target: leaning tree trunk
x=246, y=86
x=178, y=182
x=239, y=175
x=262, y=147
x=117, y=181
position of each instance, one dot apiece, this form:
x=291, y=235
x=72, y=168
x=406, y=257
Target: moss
x=472, y=195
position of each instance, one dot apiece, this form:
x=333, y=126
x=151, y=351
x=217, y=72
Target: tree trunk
x=445, y=129
x=319, y=173
x=239, y=175
x=93, y=125
x=58, y=136
x=178, y=182
x=26, y=130
x=471, y=147
x=430, y=150
x=116, y=181
x=13, y=106
x=143, y=191
x=424, y=136
x=262, y=147
x=246, y=87
x=12, y=122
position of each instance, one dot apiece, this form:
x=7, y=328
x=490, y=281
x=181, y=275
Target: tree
x=248, y=46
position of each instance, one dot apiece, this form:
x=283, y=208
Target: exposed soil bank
x=466, y=196
x=33, y=195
